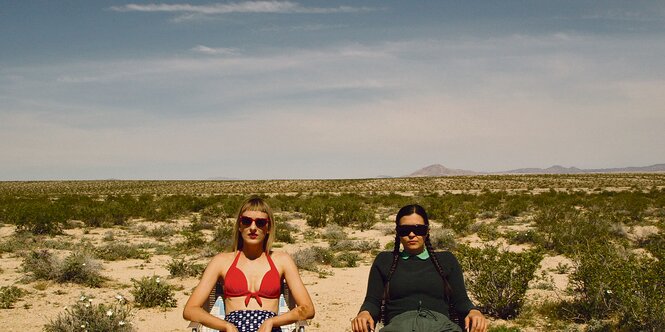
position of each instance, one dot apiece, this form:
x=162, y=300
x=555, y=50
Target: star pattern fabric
x=250, y=320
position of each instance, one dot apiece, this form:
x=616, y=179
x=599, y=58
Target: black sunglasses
x=405, y=230
x=260, y=222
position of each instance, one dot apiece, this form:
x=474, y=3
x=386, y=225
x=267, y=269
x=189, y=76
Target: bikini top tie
x=235, y=283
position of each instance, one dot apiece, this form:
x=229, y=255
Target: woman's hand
x=476, y=320
x=363, y=322
x=228, y=327
x=266, y=326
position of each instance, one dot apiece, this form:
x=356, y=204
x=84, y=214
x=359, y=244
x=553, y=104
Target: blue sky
x=326, y=89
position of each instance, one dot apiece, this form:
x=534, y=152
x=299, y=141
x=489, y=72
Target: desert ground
x=337, y=292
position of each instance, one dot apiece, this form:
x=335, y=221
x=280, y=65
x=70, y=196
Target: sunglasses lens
x=405, y=230
x=261, y=222
x=247, y=221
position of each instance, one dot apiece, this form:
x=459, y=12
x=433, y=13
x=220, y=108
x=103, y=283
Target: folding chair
x=215, y=305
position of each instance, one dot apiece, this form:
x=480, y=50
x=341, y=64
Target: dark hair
x=403, y=212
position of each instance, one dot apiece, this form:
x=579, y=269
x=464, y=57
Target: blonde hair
x=254, y=204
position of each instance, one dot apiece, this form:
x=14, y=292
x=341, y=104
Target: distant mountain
x=645, y=169
x=440, y=170
x=556, y=169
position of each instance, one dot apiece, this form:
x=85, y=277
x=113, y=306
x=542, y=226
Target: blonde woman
x=252, y=276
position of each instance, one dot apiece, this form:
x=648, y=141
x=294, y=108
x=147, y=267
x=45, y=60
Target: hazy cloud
x=270, y=7
x=214, y=50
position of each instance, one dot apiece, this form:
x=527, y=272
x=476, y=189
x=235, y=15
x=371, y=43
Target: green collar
x=422, y=256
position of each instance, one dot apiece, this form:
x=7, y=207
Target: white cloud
x=214, y=50
x=274, y=7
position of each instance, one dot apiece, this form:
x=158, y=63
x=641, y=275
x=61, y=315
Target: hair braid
x=447, y=290
x=393, y=267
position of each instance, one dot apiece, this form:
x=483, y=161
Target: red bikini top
x=235, y=283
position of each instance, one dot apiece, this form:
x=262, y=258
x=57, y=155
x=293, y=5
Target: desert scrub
x=120, y=251
x=222, y=238
x=333, y=233
x=522, y=237
x=355, y=245
x=18, y=241
x=161, y=232
x=41, y=265
x=86, y=315
x=317, y=214
x=179, y=267
x=78, y=268
x=309, y=258
x=566, y=230
x=9, y=295
x=441, y=238
x=498, y=279
x=284, y=231
x=346, y=259
x=194, y=238
x=37, y=215
x=503, y=328
x=612, y=282
x=152, y=292
x=486, y=231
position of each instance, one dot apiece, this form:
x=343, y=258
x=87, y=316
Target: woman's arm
x=194, y=307
x=304, y=307
x=368, y=314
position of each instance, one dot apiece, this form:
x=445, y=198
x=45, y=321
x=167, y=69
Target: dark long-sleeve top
x=415, y=282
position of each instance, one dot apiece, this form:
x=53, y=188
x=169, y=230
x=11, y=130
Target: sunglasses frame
x=418, y=230
x=260, y=222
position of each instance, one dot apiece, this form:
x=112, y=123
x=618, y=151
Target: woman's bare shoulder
x=281, y=258
x=222, y=260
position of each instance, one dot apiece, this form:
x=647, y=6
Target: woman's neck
x=252, y=252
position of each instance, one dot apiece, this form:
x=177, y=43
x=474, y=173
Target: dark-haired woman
x=411, y=290
x=252, y=276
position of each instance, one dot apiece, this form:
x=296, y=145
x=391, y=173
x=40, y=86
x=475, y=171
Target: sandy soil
x=336, y=297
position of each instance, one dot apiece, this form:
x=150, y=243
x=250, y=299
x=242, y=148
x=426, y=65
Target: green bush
x=41, y=265
x=120, y=251
x=364, y=220
x=612, y=282
x=37, y=216
x=355, y=245
x=222, y=237
x=152, y=292
x=498, y=279
x=521, y=237
x=566, y=230
x=309, y=258
x=441, y=239
x=9, y=295
x=193, y=239
x=80, y=268
x=182, y=268
x=333, y=233
x=162, y=231
x=88, y=316
x=284, y=231
x=503, y=328
x=346, y=259
x=317, y=214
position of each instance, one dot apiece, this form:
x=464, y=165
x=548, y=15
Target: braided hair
x=407, y=211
